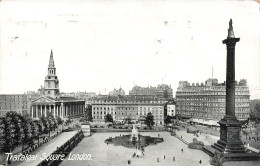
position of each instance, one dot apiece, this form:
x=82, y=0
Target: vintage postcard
x=116, y=82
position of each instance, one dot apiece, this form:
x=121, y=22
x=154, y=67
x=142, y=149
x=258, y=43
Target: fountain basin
x=126, y=141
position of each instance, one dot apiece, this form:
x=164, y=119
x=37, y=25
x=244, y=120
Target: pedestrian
x=158, y=159
x=182, y=150
x=200, y=161
x=181, y=137
x=164, y=157
x=173, y=158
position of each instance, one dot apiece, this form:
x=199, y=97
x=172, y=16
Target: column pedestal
x=230, y=141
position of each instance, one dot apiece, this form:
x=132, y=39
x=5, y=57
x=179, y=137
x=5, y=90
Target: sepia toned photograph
x=140, y=83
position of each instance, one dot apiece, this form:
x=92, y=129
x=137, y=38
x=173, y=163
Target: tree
x=88, y=113
x=2, y=134
x=255, y=116
x=36, y=131
x=68, y=121
x=19, y=134
x=255, y=113
x=10, y=130
x=168, y=119
x=108, y=118
x=46, y=125
x=27, y=128
x=59, y=121
x=40, y=130
x=149, y=120
x=128, y=120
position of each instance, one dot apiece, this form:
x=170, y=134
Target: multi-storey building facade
x=13, y=102
x=209, y=101
x=161, y=91
x=51, y=101
x=171, y=109
x=123, y=109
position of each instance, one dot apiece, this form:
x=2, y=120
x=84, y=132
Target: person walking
x=182, y=150
x=200, y=161
x=173, y=158
x=164, y=157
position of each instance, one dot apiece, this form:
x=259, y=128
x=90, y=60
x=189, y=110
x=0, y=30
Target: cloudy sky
x=100, y=45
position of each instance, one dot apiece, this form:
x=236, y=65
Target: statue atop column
x=230, y=30
x=230, y=24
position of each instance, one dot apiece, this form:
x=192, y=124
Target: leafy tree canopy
x=108, y=118
x=149, y=120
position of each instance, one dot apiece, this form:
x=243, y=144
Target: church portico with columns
x=50, y=101
x=63, y=109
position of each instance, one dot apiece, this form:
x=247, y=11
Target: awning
x=205, y=122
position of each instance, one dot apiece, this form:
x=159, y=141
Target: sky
x=101, y=45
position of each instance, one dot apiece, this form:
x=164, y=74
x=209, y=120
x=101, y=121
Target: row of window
x=11, y=97
x=213, y=109
x=127, y=113
x=201, y=115
x=7, y=108
x=127, y=108
x=191, y=98
x=211, y=104
x=209, y=93
x=103, y=117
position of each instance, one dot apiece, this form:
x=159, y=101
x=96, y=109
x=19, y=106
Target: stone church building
x=51, y=101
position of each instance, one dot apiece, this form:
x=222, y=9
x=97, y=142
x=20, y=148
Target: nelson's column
x=230, y=143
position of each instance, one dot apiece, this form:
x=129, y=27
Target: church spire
x=51, y=82
x=51, y=61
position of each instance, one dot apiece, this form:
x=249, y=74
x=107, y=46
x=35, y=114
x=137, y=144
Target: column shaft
x=37, y=116
x=32, y=111
x=54, y=110
x=45, y=110
x=41, y=111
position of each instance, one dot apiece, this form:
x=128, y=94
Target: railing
x=181, y=139
x=36, y=145
x=64, y=149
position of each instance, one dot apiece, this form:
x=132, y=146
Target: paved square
x=103, y=154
